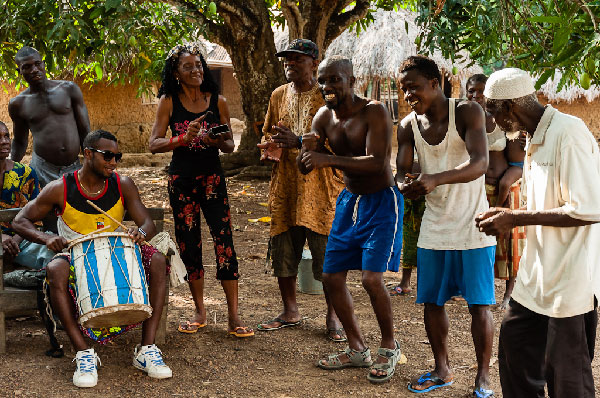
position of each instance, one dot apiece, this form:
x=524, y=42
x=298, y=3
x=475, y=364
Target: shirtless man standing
x=367, y=230
x=54, y=112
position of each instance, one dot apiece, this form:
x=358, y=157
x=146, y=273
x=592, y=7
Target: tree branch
x=340, y=22
x=237, y=10
x=294, y=17
x=585, y=8
x=215, y=31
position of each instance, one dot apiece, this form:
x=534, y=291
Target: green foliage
x=540, y=36
x=113, y=40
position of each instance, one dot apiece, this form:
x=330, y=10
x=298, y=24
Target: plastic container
x=306, y=281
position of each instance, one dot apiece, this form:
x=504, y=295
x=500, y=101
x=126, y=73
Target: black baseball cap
x=300, y=46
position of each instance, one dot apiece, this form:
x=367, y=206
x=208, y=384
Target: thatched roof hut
x=569, y=93
x=378, y=52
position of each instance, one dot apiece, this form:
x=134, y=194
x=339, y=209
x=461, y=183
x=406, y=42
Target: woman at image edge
x=190, y=104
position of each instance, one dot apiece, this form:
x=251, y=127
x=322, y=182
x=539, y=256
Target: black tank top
x=195, y=158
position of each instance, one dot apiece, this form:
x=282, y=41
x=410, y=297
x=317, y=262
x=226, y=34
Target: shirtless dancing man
x=54, y=112
x=367, y=230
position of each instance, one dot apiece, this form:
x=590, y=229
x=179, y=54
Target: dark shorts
x=442, y=274
x=286, y=251
x=366, y=233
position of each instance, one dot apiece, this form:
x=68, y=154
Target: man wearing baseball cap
x=301, y=207
x=549, y=331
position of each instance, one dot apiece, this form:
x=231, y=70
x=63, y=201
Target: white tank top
x=450, y=210
x=496, y=140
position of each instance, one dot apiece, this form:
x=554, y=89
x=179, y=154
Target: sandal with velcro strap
x=358, y=359
x=393, y=356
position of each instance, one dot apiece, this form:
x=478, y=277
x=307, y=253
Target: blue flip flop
x=480, y=392
x=437, y=383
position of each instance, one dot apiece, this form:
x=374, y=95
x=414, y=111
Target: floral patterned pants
x=206, y=193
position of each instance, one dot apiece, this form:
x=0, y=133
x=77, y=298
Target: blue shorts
x=366, y=233
x=442, y=274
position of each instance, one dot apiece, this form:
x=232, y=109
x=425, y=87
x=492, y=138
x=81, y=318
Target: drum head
x=116, y=315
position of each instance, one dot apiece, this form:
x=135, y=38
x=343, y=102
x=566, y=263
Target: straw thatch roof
x=378, y=51
x=569, y=93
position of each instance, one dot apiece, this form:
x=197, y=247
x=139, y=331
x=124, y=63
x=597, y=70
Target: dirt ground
x=209, y=363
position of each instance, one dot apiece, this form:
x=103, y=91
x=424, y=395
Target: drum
x=110, y=285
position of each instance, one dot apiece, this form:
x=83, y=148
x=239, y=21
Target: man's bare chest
x=348, y=138
x=38, y=107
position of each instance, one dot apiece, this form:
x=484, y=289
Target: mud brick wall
x=116, y=108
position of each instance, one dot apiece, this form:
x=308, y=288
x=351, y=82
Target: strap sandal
x=393, y=356
x=357, y=359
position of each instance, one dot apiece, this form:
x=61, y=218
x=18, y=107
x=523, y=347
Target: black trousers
x=535, y=350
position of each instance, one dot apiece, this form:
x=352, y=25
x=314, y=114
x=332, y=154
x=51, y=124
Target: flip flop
x=340, y=332
x=282, y=324
x=398, y=291
x=242, y=331
x=480, y=392
x=190, y=327
x=437, y=383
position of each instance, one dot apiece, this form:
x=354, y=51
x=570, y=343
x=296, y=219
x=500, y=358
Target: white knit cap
x=509, y=83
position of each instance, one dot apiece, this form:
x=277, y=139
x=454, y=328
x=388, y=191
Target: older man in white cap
x=549, y=331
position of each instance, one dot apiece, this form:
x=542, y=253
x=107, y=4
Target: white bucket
x=306, y=280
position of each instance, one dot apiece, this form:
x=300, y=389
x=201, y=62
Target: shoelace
x=86, y=362
x=155, y=356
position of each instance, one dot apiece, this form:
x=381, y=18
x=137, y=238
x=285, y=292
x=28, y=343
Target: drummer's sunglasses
x=108, y=155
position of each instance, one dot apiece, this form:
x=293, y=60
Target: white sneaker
x=86, y=374
x=149, y=359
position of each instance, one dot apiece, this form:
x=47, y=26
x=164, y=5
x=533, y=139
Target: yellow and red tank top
x=77, y=217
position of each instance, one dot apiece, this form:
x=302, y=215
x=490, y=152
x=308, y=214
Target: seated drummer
x=98, y=182
x=19, y=186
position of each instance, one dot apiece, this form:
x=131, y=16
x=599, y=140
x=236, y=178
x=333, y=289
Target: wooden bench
x=14, y=302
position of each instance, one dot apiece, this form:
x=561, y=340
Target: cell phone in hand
x=215, y=131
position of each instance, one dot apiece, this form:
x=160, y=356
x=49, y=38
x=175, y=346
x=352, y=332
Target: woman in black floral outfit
x=190, y=105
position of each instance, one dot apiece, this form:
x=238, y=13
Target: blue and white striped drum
x=110, y=280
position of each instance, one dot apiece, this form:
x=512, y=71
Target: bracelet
x=171, y=140
x=180, y=140
x=141, y=231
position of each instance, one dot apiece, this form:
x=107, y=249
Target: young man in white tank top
x=453, y=257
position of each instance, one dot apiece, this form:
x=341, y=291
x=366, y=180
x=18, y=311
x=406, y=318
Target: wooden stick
x=88, y=234
x=112, y=218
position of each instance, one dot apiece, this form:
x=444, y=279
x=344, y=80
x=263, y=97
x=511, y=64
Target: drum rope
x=49, y=311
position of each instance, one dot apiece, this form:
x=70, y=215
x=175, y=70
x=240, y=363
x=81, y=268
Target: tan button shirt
x=296, y=199
x=558, y=274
